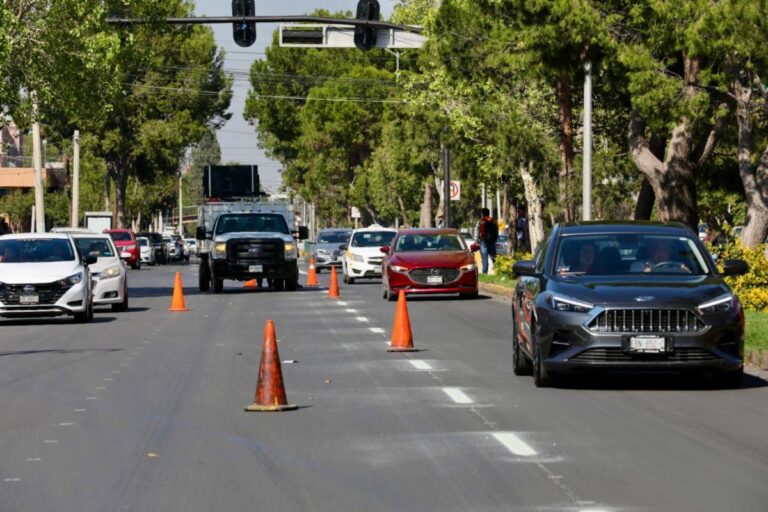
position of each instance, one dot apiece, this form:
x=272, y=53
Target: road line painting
x=514, y=444
x=458, y=396
x=420, y=365
x=361, y=319
x=377, y=330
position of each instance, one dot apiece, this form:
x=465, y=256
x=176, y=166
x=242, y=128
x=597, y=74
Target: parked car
x=503, y=245
x=108, y=273
x=327, y=251
x=156, y=242
x=43, y=274
x=146, y=250
x=644, y=296
x=430, y=260
x=126, y=244
x=172, y=249
x=190, y=248
x=362, y=257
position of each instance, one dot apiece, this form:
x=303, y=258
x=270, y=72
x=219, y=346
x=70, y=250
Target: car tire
x=278, y=285
x=729, y=380
x=204, y=277
x=350, y=280
x=542, y=378
x=521, y=365
x=318, y=270
x=218, y=284
x=291, y=285
x=391, y=297
x=384, y=292
x=123, y=306
x=136, y=265
x=344, y=278
x=86, y=316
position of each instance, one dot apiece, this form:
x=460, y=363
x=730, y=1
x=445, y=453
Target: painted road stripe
x=361, y=319
x=340, y=303
x=514, y=444
x=457, y=395
x=420, y=365
x=377, y=330
x=351, y=310
x=66, y=424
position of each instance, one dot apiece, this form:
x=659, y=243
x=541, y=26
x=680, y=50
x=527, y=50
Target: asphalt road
x=143, y=411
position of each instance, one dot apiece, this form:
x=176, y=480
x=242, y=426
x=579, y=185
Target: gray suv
x=327, y=250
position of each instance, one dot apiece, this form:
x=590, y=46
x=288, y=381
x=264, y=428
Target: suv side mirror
x=343, y=247
x=90, y=260
x=303, y=232
x=524, y=268
x=734, y=268
x=200, y=233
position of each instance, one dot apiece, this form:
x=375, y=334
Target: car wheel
x=218, y=284
x=291, y=285
x=278, y=285
x=729, y=380
x=318, y=270
x=204, y=277
x=384, y=292
x=520, y=364
x=136, y=265
x=344, y=278
x=86, y=316
x=350, y=280
x=123, y=306
x=391, y=297
x=541, y=377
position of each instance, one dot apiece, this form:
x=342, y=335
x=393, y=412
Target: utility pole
x=37, y=163
x=587, y=167
x=74, y=219
x=181, y=208
x=446, y=186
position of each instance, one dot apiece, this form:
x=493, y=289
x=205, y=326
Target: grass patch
x=500, y=280
x=756, y=330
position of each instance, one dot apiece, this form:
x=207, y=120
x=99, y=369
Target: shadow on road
x=97, y=319
x=58, y=351
x=613, y=381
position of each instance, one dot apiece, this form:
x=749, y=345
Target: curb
x=497, y=290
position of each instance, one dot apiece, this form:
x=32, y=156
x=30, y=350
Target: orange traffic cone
x=177, y=302
x=333, y=289
x=311, y=275
x=270, y=391
x=402, y=339
x=251, y=283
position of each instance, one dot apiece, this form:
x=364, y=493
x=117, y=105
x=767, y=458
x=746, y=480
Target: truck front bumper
x=287, y=269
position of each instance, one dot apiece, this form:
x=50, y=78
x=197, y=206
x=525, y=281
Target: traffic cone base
x=402, y=339
x=270, y=391
x=333, y=289
x=401, y=349
x=177, y=302
x=311, y=274
x=251, y=283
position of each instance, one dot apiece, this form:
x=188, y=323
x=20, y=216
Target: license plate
x=647, y=343
x=255, y=268
x=125, y=255
x=29, y=299
x=434, y=279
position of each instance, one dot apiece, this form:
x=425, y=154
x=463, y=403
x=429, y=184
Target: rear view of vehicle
x=327, y=252
x=42, y=274
x=107, y=272
x=125, y=241
x=146, y=250
x=362, y=256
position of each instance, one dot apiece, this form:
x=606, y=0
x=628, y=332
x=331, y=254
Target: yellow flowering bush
x=752, y=287
x=503, y=263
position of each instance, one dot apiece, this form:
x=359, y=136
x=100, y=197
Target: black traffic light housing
x=365, y=37
x=244, y=31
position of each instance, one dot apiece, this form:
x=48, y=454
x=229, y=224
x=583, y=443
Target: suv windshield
x=432, y=243
x=372, y=238
x=250, y=222
x=98, y=247
x=629, y=254
x=333, y=237
x=36, y=250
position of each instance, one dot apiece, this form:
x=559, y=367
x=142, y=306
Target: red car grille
x=422, y=275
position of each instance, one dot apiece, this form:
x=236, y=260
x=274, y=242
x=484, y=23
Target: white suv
x=43, y=274
x=108, y=273
x=362, y=256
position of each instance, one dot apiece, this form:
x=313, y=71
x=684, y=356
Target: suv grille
x=617, y=355
x=646, y=320
x=421, y=275
x=244, y=251
x=48, y=293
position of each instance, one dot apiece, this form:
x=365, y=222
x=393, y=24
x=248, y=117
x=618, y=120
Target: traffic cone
x=402, y=339
x=270, y=391
x=177, y=302
x=311, y=275
x=251, y=283
x=333, y=289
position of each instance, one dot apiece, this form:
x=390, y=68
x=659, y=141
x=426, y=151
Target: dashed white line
x=91, y=398
x=34, y=459
x=50, y=441
x=514, y=444
x=458, y=396
x=420, y=365
x=378, y=330
x=11, y=479
x=66, y=424
x=351, y=310
x=79, y=410
x=341, y=303
x=361, y=319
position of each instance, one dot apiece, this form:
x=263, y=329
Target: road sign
x=455, y=190
x=355, y=212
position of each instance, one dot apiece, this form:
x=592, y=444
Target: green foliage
x=752, y=287
x=756, y=330
x=503, y=264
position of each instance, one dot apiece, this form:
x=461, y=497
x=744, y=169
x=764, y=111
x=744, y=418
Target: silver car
x=327, y=251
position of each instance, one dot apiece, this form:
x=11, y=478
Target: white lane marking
x=34, y=459
x=66, y=424
x=378, y=330
x=302, y=272
x=514, y=444
x=341, y=303
x=79, y=410
x=11, y=479
x=50, y=441
x=361, y=319
x=420, y=365
x=91, y=398
x=351, y=310
x=457, y=395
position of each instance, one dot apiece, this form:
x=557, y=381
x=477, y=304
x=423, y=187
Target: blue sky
x=237, y=138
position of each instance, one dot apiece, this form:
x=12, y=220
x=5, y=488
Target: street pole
x=74, y=219
x=587, y=167
x=181, y=208
x=498, y=205
x=37, y=162
x=446, y=186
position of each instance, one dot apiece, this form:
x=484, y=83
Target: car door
x=528, y=288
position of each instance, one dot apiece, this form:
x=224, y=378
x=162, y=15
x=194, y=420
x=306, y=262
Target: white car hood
x=37, y=273
x=367, y=252
x=104, y=263
x=252, y=234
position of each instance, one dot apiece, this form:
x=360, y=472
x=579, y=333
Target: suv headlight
x=561, y=303
x=220, y=250
x=356, y=257
x=720, y=304
x=73, y=279
x=290, y=251
x=110, y=272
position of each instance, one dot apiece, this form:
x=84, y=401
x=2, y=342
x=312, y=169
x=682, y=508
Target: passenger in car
x=586, y=261
x=659, y=251
x=10, y=255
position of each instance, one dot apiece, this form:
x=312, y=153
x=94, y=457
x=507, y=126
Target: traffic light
x=244, y=31
x=365, y=37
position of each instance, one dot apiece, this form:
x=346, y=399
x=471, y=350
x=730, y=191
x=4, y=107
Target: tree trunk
x=645, y=200
x=403, y=211
x=441, y=193
x=107, y=191
x=505, y=214
x=755, y=184
x=535, y=201
x=425, y=218
x=565, y=105
x=121, y=183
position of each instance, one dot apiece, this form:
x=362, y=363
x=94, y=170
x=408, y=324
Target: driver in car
x=660, y=254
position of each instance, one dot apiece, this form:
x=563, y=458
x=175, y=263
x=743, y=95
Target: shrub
x=752, y=287
x=503, y=263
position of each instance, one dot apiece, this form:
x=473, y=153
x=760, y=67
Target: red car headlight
x=398, y=268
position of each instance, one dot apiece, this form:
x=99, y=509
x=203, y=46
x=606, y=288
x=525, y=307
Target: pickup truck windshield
x=251, y=222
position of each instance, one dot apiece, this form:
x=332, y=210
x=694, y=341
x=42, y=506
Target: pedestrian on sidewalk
x=486, y=233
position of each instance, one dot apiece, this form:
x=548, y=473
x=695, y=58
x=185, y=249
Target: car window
x=540, y=256
x=629, y=254
x=372, y=238
x=98, y=247
x=36, y=250
x=332, y=237
x=120, y=236
x=429, y=243
x=266, y=222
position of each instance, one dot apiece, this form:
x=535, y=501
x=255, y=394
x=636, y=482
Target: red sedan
x=127, y=246
x=429, y=261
